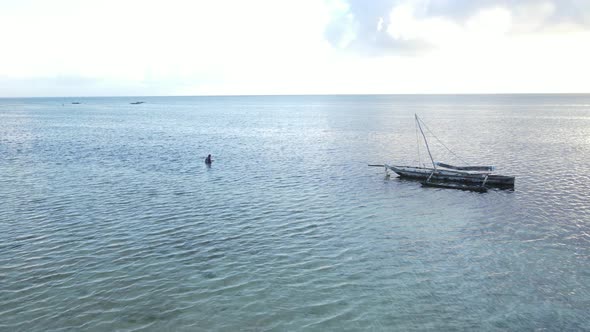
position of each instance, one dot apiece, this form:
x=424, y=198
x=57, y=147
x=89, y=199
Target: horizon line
x=310, y=94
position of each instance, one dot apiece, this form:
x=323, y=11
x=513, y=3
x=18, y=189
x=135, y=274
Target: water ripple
x=109, y=220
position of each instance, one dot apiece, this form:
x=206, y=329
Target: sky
x=266, y=47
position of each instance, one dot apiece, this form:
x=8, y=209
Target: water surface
x=110, y=220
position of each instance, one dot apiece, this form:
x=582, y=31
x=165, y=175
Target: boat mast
x=425, y=141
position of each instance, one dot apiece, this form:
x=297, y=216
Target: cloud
x=366, y=27
x=559, y=11
x=181, y=46
x=135, y=47
x=363, y=28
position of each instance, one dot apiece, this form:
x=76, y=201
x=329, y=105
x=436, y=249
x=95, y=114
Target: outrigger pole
x=425, y=141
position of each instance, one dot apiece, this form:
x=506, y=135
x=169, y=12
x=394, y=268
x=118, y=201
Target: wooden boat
x=441, y=175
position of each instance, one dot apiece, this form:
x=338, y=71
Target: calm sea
x=110, y=220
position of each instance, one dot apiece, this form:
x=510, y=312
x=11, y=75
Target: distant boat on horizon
x=137, y=102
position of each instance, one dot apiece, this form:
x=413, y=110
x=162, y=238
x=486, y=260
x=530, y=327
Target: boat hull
x=422, y=173
x=455, y=185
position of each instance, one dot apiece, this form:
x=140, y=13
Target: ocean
x=110, y=219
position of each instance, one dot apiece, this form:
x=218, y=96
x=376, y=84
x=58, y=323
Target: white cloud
x=68, y=47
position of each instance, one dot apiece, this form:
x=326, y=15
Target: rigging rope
x=443, y=144
x=418, y=145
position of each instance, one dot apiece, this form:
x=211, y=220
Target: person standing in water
x=208, y=160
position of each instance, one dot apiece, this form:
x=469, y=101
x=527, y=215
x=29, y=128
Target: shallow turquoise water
x=109, y=219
